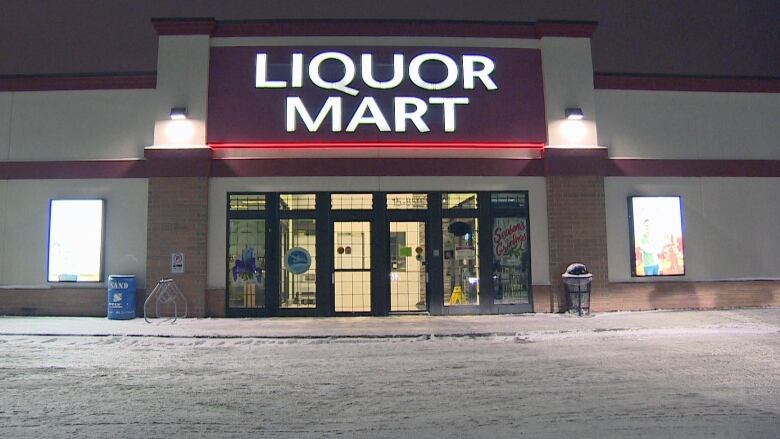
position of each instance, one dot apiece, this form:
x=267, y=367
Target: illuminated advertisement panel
x=75, y=241
x=375, y=96
x=656, y=235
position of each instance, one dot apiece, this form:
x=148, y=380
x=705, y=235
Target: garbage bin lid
x=577, y=276
x=577, y=268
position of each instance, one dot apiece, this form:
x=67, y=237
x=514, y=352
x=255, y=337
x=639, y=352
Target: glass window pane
x=461, y=261
x=297, y=202
x=352, y=266
x=407, y=201
x=407, y=266
x=298, y=251
x=508, y=200
x=75, y=240
x=459, y=201
x=247, y=202
x=511, y=260
x=246, y=264
x=352, y=201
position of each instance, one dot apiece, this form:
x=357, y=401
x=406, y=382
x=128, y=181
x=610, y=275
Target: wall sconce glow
x=574, y=131
x=178, y=113
x=75, y=241
x=179, y=131
x=574, y=114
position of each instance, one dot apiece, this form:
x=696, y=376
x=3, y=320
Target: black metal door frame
x=424, y=217
x=375, y=217
x=270, y=262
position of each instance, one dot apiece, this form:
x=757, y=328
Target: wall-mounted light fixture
x=178, y=113
x=574, y=114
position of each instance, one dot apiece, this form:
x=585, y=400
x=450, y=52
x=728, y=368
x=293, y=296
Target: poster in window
x=656, y=233
x=75, y=251
x=510, y=254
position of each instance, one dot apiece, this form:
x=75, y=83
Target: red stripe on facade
x=361, y=145
x=30, y=170
x=146, y=80
x=692, y=168
x=616, y=81
x=403, y=28
x=575, y=161
x=203, y=166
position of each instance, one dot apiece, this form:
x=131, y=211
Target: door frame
x=270, y=262
x=409, y=216
x=375, y=217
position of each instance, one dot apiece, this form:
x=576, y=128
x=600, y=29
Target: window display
x=75, y=241
x=510, y=260
x=298, y=253
x=461, y=261
x=246, y=264
x=656, y=235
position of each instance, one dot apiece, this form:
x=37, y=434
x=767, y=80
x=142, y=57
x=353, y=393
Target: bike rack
x=166, y=292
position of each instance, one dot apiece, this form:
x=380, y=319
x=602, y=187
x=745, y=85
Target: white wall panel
x=219, y=187
x=731, y=226
x=3, y=227
x=688, y=125
x=6, y=100
x=81, y=125
x=182, y=81
x=24, y=223
x=568, y=82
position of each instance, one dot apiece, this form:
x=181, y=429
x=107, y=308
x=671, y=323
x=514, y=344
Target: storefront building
x=318, y=168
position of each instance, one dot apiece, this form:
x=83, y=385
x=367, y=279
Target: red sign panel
x=377, y=96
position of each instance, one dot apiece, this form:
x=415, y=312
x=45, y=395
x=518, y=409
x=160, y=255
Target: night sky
x=697, y=37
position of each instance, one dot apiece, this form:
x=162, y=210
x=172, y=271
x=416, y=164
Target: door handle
x=426, y=277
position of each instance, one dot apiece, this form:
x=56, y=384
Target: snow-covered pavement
x=659, y=374
x=766, y=319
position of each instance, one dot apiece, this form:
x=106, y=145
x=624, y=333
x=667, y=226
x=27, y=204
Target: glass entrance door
x=246, y=287
x=408, y=273
x=352, y=266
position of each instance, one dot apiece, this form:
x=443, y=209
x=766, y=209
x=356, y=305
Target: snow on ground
x=403, y=326
x=709, y=380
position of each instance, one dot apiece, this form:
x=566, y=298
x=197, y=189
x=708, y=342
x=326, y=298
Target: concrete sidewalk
x=766, y=320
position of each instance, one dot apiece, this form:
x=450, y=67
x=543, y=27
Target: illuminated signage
x=656, y=235
x=75, y=240
x=286, y=95
x=474, y=68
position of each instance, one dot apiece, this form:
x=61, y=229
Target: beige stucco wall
x=730, y=226
x=689, y=125
x=24, y=228
x=76, y=125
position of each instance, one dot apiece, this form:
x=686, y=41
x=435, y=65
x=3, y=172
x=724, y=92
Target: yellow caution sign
x=457, y=296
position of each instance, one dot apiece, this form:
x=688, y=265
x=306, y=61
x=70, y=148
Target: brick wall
x=687, y=295
x=215, y=303
x=577, y=228
x=178, y=223
x=89, y=302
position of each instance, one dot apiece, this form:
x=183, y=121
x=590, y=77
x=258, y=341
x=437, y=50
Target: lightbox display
x=656, y=235
x=75, y=240
x=381, y=96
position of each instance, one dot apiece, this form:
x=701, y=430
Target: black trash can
x=577, y=282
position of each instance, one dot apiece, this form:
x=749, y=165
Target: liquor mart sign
x=285, y=95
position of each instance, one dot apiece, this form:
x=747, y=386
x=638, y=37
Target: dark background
x=699, y=37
